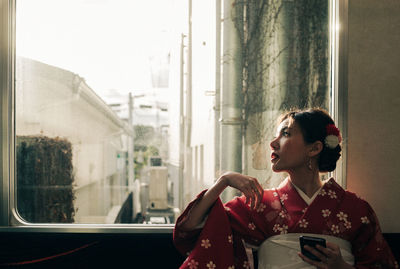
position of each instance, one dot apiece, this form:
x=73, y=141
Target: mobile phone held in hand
x=312, y=242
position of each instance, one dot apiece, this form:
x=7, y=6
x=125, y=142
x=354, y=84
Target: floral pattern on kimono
x=335, y=212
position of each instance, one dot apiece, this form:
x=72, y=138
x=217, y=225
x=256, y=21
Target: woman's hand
x=248, y=185
x=330, y=257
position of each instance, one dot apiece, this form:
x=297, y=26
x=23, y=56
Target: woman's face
x=289, y=150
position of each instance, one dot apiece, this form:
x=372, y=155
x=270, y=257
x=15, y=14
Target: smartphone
x=312, y=242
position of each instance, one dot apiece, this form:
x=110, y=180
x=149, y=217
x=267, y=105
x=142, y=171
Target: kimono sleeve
x=246, y=223
x=185, y=241
x=370, y=248
x=212, y=246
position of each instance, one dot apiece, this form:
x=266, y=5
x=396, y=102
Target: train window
x=126, y=109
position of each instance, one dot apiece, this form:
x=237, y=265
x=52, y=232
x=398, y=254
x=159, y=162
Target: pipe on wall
x=231, y=99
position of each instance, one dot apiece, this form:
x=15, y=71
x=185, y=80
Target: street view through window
x=125, y=109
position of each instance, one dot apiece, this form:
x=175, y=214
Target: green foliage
x=283, y=57
x=144, y=134
x=147, y=143
x=142, y=156
x=308, y=80
x=289, y=36
x=45, y=179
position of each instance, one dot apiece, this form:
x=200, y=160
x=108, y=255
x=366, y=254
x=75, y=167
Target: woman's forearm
x=200, y=209
x=248, y=185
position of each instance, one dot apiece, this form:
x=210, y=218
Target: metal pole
x=189, y=82
x=131, y=171
x=231, y=101
x=188, y=114
x=181, y=123
x=217, y=106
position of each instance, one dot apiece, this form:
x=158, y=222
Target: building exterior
x=57, y=103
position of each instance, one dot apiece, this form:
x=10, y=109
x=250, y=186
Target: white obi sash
x=280, y=251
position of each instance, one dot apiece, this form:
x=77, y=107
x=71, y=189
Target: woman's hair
x=313, y=124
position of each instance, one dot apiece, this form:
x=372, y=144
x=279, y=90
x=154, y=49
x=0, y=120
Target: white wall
x=203, y=85
x=373, y=168
x=50, y=101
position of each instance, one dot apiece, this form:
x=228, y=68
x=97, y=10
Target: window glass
x=126, y=109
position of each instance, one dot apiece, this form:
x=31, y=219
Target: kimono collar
x=305, y=197
x=330, y=188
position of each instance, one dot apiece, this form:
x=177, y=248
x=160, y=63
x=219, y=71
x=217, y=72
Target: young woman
x=307, y=142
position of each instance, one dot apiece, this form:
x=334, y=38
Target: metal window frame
x=9, y=220
x=339, y=81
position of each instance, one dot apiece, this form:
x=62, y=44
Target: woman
x=307, y=143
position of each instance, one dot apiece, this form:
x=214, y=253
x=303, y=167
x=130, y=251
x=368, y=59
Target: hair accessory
x=333, y=137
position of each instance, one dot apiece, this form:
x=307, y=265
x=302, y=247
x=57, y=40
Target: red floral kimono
x=335, y=212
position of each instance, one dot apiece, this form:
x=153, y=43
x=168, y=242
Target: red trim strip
x=49, y=257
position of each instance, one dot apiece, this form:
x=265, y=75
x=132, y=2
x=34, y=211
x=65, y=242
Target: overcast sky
x=107, y=42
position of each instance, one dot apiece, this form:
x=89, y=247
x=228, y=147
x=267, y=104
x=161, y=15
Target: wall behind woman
x=373, y=168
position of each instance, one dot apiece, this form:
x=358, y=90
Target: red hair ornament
x=333, y=137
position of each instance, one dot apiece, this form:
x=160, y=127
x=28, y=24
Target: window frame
x=9, y=219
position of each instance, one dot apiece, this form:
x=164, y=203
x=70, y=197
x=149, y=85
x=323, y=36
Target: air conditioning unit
x=158, y=187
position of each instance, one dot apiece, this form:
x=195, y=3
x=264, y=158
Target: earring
x=310, y=164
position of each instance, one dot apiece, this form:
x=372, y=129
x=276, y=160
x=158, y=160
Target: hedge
x=45, y=179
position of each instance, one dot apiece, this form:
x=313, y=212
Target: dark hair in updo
x=313, y=124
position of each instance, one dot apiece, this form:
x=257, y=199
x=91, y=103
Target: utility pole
x=182, y=123
x=131, y=171
x=188, y=191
